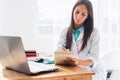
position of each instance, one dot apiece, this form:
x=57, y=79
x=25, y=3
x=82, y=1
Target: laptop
x=12, y=56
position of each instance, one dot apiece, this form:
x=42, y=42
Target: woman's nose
x=79, y=16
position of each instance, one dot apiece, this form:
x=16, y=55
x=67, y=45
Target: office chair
x=115, y=75
x=110, y=60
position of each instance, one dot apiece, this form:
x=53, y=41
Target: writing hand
x=63, y=49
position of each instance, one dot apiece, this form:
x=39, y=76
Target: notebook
x=12, y=56
x=60, y=56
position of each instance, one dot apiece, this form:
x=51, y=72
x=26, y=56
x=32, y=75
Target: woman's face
x=80, y=14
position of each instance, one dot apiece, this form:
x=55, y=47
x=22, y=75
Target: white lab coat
x=90, y=52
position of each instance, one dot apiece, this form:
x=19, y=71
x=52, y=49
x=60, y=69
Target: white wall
x=17, y=17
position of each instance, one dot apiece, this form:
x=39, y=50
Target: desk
x=64, y=73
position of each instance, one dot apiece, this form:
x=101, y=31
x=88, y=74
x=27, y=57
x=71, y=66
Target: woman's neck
x=77, y=26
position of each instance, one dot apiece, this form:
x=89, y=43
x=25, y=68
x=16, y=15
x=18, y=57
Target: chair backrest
x=111, y=59
x=115, y=75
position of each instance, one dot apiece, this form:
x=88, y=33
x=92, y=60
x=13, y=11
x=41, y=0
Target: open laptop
x=12, y=56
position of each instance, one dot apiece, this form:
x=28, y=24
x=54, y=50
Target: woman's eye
x=77, y=12
x=84, y=14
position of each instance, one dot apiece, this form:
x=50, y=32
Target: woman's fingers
x=69, y=61
x=64, y=49
x=72, y=61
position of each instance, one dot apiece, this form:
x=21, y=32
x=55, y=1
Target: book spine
x=30, y=53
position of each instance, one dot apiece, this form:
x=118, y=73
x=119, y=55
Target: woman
x=82, y=38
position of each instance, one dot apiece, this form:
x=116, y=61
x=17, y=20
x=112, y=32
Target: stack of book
x=31, y=53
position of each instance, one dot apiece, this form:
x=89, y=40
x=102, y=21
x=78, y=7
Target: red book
x=31, y=53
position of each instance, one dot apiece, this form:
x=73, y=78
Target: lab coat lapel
x=74, y=47
x=74, y=44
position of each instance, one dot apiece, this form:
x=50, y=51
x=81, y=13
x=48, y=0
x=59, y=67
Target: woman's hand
x=71, y=61
x=63, y=49
x=75, y=61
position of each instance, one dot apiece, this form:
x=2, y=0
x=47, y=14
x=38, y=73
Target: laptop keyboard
x=40, y=67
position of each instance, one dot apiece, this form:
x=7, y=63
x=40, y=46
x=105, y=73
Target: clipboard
x=61, y=56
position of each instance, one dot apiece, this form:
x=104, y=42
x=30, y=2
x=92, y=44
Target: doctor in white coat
x=82, y=38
